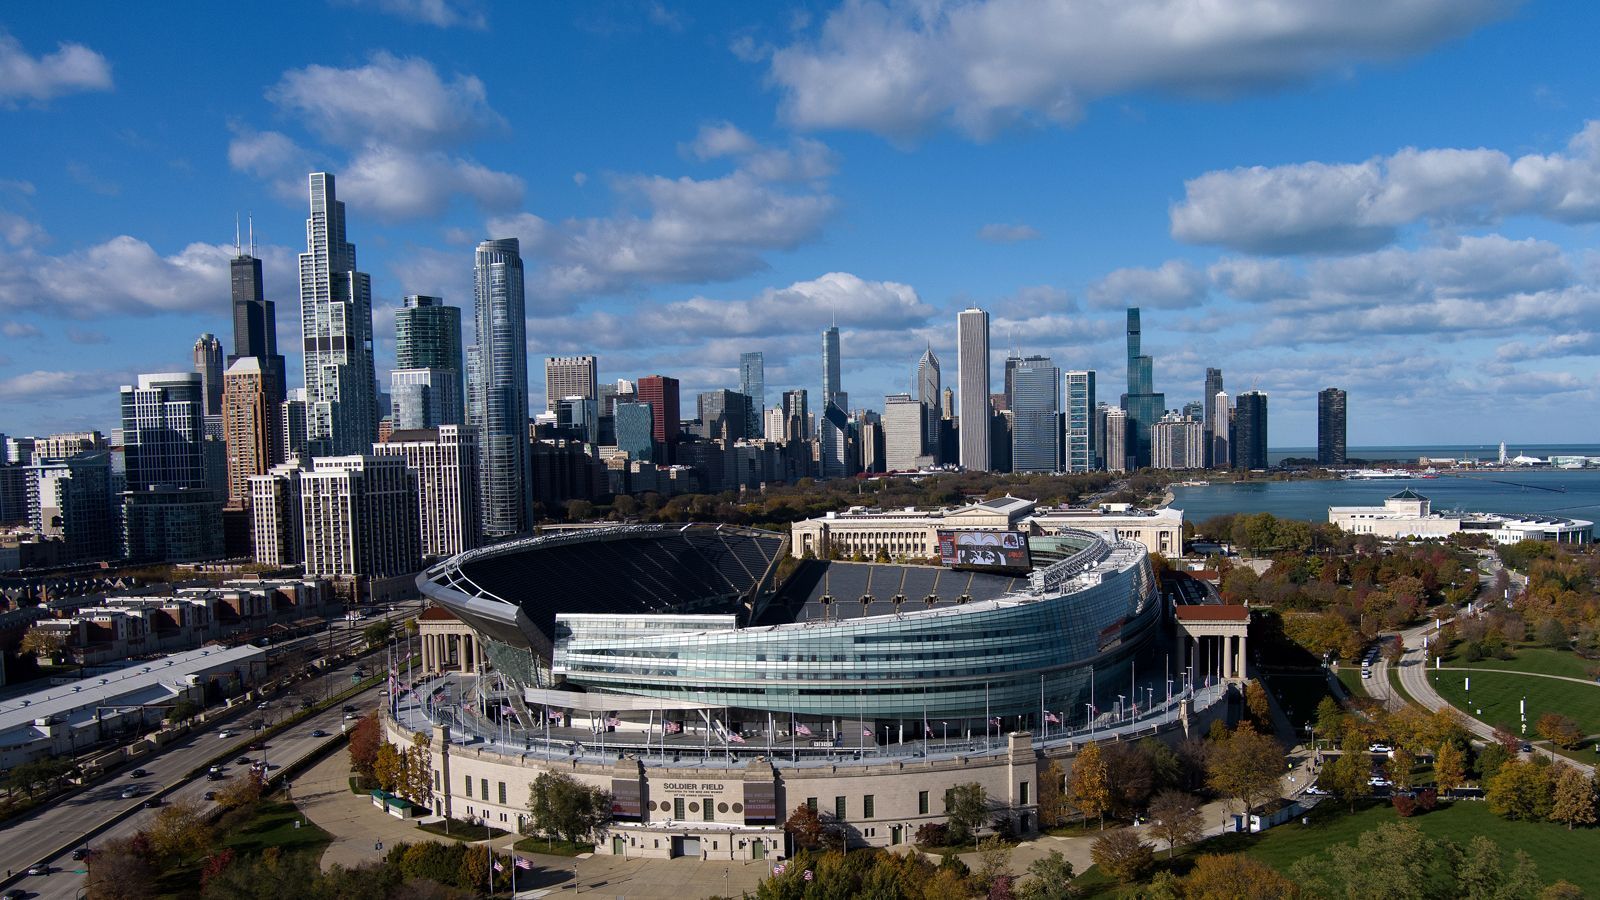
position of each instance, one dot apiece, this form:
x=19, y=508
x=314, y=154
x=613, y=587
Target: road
x=29, y=841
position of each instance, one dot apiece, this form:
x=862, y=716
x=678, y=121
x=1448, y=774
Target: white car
x=1379, y=781
x=1380, y=748
x=1316, y=791
x=224, y=733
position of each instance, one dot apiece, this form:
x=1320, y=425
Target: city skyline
x=110, y=250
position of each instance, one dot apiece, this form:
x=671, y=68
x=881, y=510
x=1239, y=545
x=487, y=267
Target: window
x=503, y=793
x=949, y=798
x=866, y=807
x=677, y=808
x=838, y=808
x=436, y=785
x=706, y=812
x=922, y=803
x=811, y=802
x=469, y=786
x=484, y=784
x=1023, y=794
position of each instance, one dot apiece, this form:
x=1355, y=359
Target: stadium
x=653, y=657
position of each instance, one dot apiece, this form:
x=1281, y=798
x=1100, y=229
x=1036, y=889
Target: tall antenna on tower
x=237, y=250
x=252, y=235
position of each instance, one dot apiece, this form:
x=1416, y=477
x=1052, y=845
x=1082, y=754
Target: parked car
x=1526, y=747
x=1379, y=781
x=1316, y=791
x=1380, y=747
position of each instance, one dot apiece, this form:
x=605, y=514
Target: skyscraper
x=1330, y=426
x=723, y=414
x=569, y=376
x=425, y=387
x=753, y=384
x=830, y=364
x=252, y=423
x=336, y=328
x=972, y=366
x=208, y=364
x=1176, y=443
x=635, y=424
x=500, y=390
x=162, y=430
x=1035, y=403
x=1213, y=387
x=1080, y=421
x=796, y=416
x=358, y=515
x=903, y=424
x=928, y=396
x=661, y=392
x=1142, y=404
x=1116, y=430
x=1250, y=430
x=445, y=463
x=1221, y=432
x=833, y=427
x=255, y=318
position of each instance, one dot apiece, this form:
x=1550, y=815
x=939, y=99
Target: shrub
x=933, y=834
x=1123, y=856
x=1404, y=804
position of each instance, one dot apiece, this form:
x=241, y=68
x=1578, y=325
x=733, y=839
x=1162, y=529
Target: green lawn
x=1397, y=687
x=1558, y=852
x=1532, y=659
x=273, y=825
x=1497, y=695
x=461, y=831
x=552, y=848
x=1350, y=675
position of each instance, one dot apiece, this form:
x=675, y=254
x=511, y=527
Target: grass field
x=1398, y=688
x=1350, y=676
x=553, y=848
x=273, y=825
x=1530, y=658
x=1560, y=854
x=1497, y=695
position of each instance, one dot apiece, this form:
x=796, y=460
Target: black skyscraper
x=1250, y=431
x=1208, y=413
x=1330, y=427
x=255, y=324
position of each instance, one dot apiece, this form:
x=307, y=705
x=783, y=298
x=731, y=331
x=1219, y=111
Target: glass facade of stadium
x=1037, y=649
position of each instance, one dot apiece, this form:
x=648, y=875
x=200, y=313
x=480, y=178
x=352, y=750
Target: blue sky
x=1394, y=197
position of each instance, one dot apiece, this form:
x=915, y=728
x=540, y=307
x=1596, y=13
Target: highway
x=64, y=822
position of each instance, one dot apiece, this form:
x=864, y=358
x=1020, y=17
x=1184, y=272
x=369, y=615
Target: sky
x=1395, y=197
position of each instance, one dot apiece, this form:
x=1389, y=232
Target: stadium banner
x=760, y=803
x=625, y=798
x=984, y=549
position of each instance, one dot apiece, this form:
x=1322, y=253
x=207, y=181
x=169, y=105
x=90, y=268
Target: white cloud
x=439, y=13
x=71, y=69
x=1321, y=207
x=390, y=100
x=20, y=330
x=1579, y=343
x=897, y=67
x=394, y=183
x=999, y=233
x=1175, y=285
x=42, y=384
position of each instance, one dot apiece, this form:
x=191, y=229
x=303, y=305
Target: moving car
x=1380, y=747
x=209, y=795
x=129, y=793
x=243, y=761
x=138, y=773
x=81, y=853
x=38, y=870
x=152, y=803
x=319, y=733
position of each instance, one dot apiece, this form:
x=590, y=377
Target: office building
x=1118, y=457
x=773, y=425
x=796, y=416
x=499, y=390
x=445, y=463
x=724, y=415
x=831, y=384
x=162, y=430
x=255, y=318
x=359, y=517
x=928, y=394
x=252, y=421
x=275, y=515
x=635, y=424
x=1250, y=431
x=661, y=393
x=294, y=424
x=427, y=334
x=833, y=430
x=1213, y=387
x=1035, y=406
x=1079, y=454
x=425, y=398
x=1221, y=431
x=208, y=365
x=1330, y=427
x=1142, y=404
x=167, y=523
x=1177, y=442
x=903, y=424
x=972, y=365
x=753, y=384
x=569, y=376
x=336, y=328
x=72, y=499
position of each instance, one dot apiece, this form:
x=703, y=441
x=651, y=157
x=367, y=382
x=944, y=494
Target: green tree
x=1520, y=790
x=1393, y=861
x=1574, y=800
x=1330, y=720
x=1246, y=766
x=1049, y=878
x=968, y=812
x=1400, y=766
x=1123, y=855
x=183, y=710
x=1345, y=776
x=994, y=863
x=1089, y=785
x=560, y=805
x=378, y=632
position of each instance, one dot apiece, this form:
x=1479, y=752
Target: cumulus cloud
x=999, y=233
x=391, y=100
x=42, y=384
x=20, y=330
x=1317, y=207
x=1579, y=343
x=439, y=13
x=898, y=67
x=1175, y=285
x=72, y=69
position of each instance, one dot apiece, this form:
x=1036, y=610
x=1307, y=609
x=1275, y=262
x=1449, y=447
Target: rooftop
x=1212, y=613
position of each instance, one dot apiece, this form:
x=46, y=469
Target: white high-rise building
x=1035, y=407
x=275, y=515
x=903, y=423
x=359, y=517
x=972, y=365
x=569, y=376
x=1177, y=442
x=445, y=462
x=1221, y=443
x=336, y=328
x=497, y=373
x=773, y=425
x=1116, y=440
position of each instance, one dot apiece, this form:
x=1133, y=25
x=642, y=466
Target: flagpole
x=1043, y=725
x=988, y=720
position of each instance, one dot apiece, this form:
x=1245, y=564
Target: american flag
x=802, y=731
x=995, y=721
x=1052, y=718
x=674, y=728
x=808, y=874
x=780, y=868
x=523, y=863
x=614, y=722
x=926, y=728
x=506, y=710
x=498, y=867
x=866, y=732
x=734, y=738
x=554, y=716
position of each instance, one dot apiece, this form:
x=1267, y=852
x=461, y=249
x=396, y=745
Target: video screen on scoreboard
x=985, y=550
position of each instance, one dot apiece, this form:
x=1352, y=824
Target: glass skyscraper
x=336, y=329
x=255, y=321
x=635, y=424
x=1143, y=406
x=1250, y=430
x=500, y=390
x=1035, y=402
x=753, y=384
x=928, y=396
x=1331, y=426
x=425, y=387
x=1080, y=437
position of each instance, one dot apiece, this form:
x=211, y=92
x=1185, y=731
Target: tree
x=1256, y=701
x=994, y=864
x=1122, y=855
x=1559, y=730
x=1175, y=818
x=1235, y=877
x=1089, y=785
x=1247, y=766
x=1049, y=878
x=1400, y=765
x=1490, y=759
x=386, y=766
x=1054, y=803
x=364, y=741
x=1330, y=720
x=1449, y=767
x=1574, y=801
x=418, y=785
x=1562, y=890
x=119, y=870
x=179, y=831
x=1520, y=790
x=183, y=710
x=969, y=810
x=805, y=827
x=378, y=632
x=1391, y=861
x=1131, y=776
x=242, y=790
x=1345, y=776
x=562, y=806
x=39, y=642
